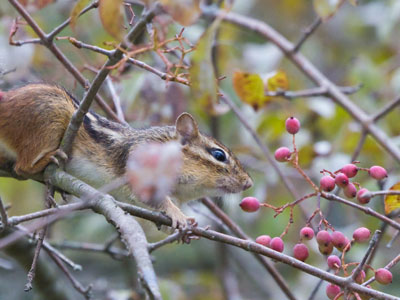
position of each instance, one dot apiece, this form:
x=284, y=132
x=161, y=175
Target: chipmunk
x=33, y=120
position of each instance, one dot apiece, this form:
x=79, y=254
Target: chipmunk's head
x=209, y=168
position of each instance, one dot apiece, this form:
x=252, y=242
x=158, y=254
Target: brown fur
x=34, y=118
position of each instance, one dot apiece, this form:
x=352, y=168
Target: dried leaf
x=203, y=82
x=81, y=4
x=326, y=8
x=185, y=12
x=112, y=18
x=250, y=89
x=392, y=202
x=278, y=81
x=353, y=2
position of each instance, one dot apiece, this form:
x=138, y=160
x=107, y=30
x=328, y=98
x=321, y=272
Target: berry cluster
x=341, y=178
x=327, y=242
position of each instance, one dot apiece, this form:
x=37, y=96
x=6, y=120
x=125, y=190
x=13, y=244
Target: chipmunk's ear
x=186, y=127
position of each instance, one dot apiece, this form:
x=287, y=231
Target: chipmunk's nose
x=248, y=184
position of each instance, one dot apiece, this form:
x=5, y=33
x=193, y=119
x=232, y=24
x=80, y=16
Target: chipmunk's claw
x=187, y=234
x=59, y=155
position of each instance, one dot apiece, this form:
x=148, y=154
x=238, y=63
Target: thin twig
x=85, y=291
x=371, y=246
x=386, y=109
x=4, y=217
x=115, y=98
x=168, y=240
x=60, y=27
x=91, y=247
x=360, y=145
x=366, y=210
x=42, y=233
x=313, y=92
x=307, y=33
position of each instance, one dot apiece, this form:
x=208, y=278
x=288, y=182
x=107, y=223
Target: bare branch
x=307, y=33
x=4, y=217
x=314, y=92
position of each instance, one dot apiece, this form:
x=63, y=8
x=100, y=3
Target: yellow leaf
x=392, y=202
x=75, y=12
x=326, y=8
x=111, y=17
x=250, y=89
x=185, y=12
x=278, y=82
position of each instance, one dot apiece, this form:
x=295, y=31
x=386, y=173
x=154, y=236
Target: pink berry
x=347, y=245
x=360, y=277
x=250, y=204
x=363, y=196
x=277, y=244
x=306, y=233
x=350, y=170
x=350, y=190
x=282, y=154
x=332, y=291
x=325, y=249
x=324, y=238
x=263, y=240
x=300, y=251
x=383, y=276
x=377, y=172
x=338, y=240
x=361, y=234
x=292, y=125
x=327, y=183
x=334, y=262
x=341, y=180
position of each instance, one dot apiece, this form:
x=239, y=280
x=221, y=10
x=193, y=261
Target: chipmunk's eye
x=218, y=154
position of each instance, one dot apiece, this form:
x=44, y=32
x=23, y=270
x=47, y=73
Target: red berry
x=363, y=196
x=383, y=276
x=338, y=240
x=334, y=262
x=277, y=244
x=263, y=240
x=324, y=238
x=250, y=204
x=332, y=291
x=349, y=170
x=292, y=125
x=377, y=172
x=325, y=249
x=300, y=251
x=306, y=233
x=361, y=234
x=327, y=183
x=341, y=180
x=350, y=190
x=282, y=154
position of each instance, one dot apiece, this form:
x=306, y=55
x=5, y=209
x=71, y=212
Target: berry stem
x=295, y=163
